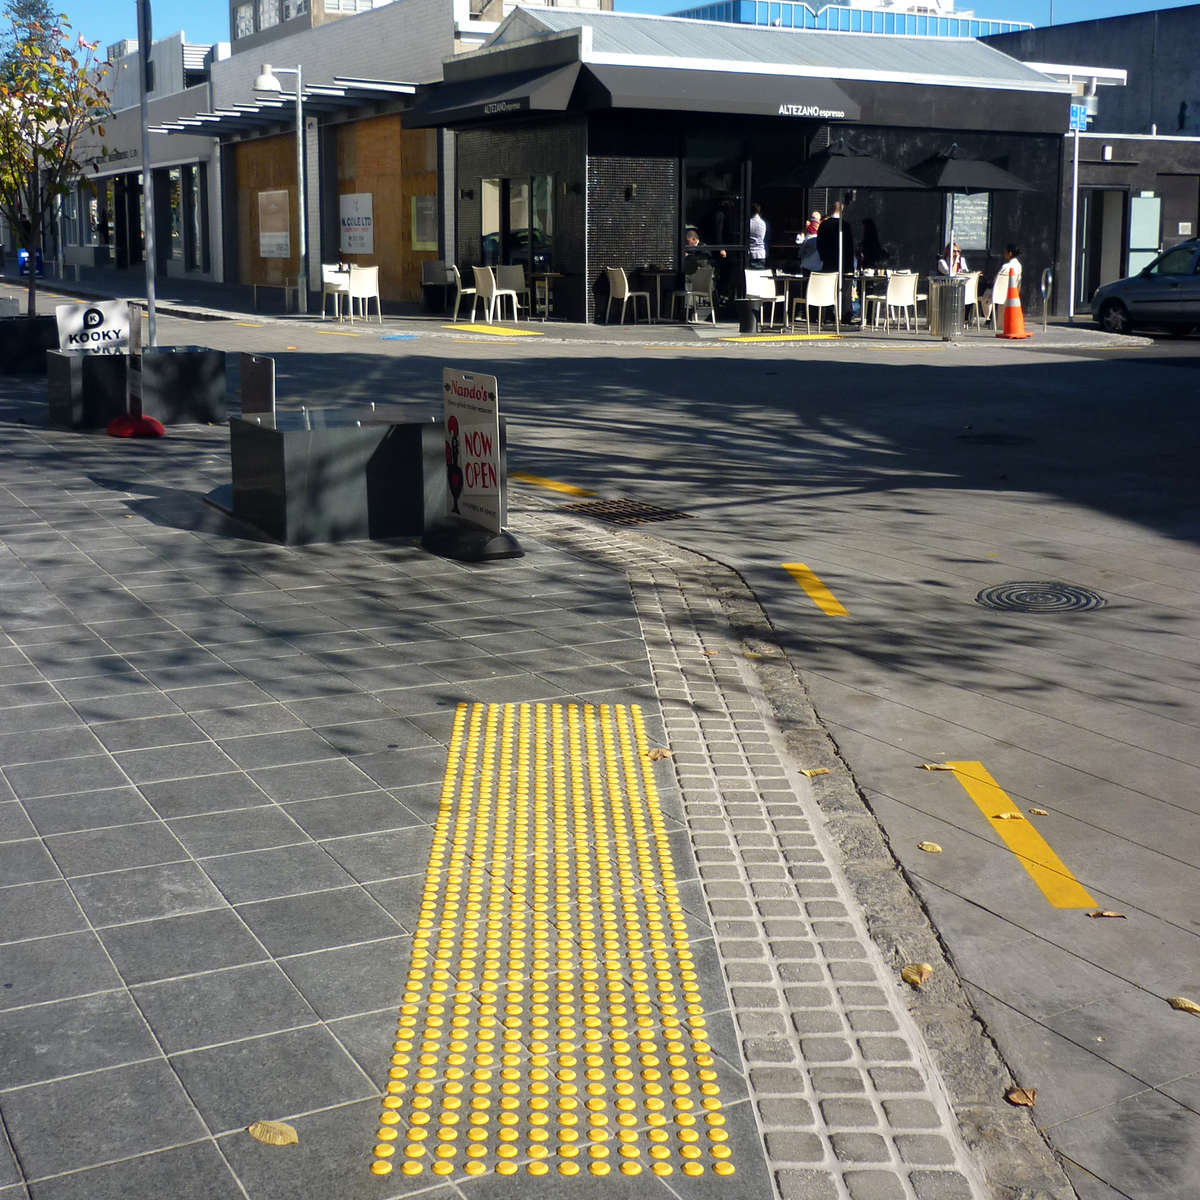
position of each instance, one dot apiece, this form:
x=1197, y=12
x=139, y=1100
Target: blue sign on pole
x=1079, y=116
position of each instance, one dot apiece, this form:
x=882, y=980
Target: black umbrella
x=952, y=171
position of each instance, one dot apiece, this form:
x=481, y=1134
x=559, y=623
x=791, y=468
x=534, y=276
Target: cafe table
x=543, y=288
x=658, y=274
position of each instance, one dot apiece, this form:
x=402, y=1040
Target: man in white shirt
x=758, y=238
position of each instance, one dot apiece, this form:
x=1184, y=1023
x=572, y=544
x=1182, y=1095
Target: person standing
x=814, y=223
x=833, y=231
x=758, y=238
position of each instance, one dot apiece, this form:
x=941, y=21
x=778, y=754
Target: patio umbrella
x=840, y=166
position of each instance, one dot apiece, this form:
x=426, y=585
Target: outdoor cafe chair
x=364, y=287
x=971, y=296
x=618, y=289
x=900, y=297
x=336, y=283
x=513, y=277
x=460, y=292
x=492, y=294
x=820, y=294
x=697, y=290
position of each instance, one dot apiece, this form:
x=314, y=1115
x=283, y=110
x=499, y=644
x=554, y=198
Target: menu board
x=970, y=217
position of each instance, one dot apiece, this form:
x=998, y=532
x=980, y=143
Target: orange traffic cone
x=1014, y=319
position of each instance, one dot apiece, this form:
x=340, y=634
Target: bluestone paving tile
x=247, y=719
x=381, y=855
x=193, y=1172
x=113, y=683
x=401, y=897
x=315, y=713
x=114, y=848
x=222, y=1006
x=125, y=708
x=217, y=696
x=14, y=824
x=280, y=871
x=404, y=768
x=66, y=1037
x=275, y=1076
x=88, y=810
x=348, y=980
x=366, y=1038
x=203, y=794
x=370, y=737
x=15, y=694
x=161, y=949
x=46, y=745
x=415, y=702
x=25, y=862
x=38, y=910
x=145, y=893
x=362, y=812
x=317, y=921
x=30, y=717
x=146, y=732
x=54, y=968
x=173, y=762
x=236, y=830
x=277, y=749
x=9, y=1174
x=90, y=772
x=54, y=1127
x=310, y=781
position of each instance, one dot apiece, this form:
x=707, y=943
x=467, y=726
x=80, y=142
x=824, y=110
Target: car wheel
x=1114, y=317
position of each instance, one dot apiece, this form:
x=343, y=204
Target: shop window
x=517, y=222
x=175, y=214
x=243, y=20
x=490, y=223
x=294, y=8
x=712, y=199
x=268, y=13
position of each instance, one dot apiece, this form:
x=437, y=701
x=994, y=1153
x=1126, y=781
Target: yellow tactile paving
x=552, y=1021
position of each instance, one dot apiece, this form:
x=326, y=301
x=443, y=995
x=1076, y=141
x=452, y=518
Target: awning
x=686, y=90
x=547, y=89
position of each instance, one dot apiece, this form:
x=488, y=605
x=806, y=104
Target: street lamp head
x=267, y=80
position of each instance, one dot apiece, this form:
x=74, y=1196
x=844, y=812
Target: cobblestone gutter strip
x=838, y=1051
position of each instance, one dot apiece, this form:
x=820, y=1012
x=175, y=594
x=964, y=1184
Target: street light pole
x=268, y=81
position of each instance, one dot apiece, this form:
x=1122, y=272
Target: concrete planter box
x=24, y=342
x=85, y=391
x=183, y=384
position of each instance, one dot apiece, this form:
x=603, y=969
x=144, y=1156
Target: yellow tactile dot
x=408, y=1168
x=384, y=1151
x=381, y=1168
x=631, y=1168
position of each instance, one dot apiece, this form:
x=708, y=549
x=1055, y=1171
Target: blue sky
x=207, y=21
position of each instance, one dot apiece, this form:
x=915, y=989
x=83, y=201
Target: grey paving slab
x=37, y=910
x=145, y=893
x=349, y=980
x=381, y=855
x=54, y=968
x=362, y=812
x=115, y=848
x=203, y=794
x=222, y=1006
x=311, y=781
x=236, y=830
x=317, y=921
x=276, y=1076
x=46, y=745
x=173, y=762
x=86, y=773
x=161, y=949
x=14, y=824
x=279, y=871
x=25, y=862
x=54, y=1128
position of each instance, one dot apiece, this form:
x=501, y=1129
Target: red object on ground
x=127, y=425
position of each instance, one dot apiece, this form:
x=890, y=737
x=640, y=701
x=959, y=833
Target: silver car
x=1163, y=295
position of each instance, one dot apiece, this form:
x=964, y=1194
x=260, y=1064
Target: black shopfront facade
x=570, y=166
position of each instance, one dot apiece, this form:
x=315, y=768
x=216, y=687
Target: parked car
x=1163, y=295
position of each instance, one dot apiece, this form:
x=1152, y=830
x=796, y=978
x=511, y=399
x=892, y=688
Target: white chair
x=618, y=289
x=900, y=297
x=335, y=283
x=512, y=278
x=363, y=288
x=460, y=292
x=971, y=296
x=761, y=287
x=1000, y=297
x=492, y=294
x=820, y=294
x=697, y=290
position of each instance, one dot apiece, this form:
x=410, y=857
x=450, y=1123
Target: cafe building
x=586, y=140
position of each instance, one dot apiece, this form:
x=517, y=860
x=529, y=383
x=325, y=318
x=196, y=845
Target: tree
x=50, y=96
x=38, y=11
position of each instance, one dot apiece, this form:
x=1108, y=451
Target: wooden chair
x=822, y=293
x=492, y=294
x=618, y=289
x=364, y=287
x=335, y=283
x=460, y=292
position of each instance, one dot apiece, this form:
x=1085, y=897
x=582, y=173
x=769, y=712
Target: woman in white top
x=952, y=262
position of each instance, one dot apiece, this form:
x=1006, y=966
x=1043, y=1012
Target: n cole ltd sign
x=100, y=328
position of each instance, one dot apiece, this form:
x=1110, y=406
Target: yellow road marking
x=493, y=330
x=249, y=324
x=818, y=593
x=552, y=1018
x=1045, y=868
x=784, y=337
x=336, y=333
x=554, y=486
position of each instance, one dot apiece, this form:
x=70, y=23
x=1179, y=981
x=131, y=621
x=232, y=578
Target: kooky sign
x=471, y=420
x=99, y=328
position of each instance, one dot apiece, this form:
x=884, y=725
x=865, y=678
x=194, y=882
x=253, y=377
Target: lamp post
x=268, y=81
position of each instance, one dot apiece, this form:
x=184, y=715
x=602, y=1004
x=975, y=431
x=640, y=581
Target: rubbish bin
x=947, y=299
x=747, y=316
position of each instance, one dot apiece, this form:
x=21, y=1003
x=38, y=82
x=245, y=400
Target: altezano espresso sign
x=99, y=328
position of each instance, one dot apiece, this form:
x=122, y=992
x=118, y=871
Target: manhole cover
x=1039, y=596
x=994, y=439
x=623, y=512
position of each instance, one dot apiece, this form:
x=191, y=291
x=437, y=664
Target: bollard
x=1047, y=287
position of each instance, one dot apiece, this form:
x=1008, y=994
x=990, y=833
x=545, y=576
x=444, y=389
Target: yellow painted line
x=818, y=593
x=1045, y=868
x=249, y=324
x=493, y=330
x=784, y=337
x=336, y=333
x=553, y=485
x=552, y=1019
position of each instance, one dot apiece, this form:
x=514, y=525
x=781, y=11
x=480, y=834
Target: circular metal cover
x=1039, y=596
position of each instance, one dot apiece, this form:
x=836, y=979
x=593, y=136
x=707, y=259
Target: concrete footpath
x=488, y=880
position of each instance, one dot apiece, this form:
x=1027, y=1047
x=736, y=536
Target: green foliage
x=51, y=94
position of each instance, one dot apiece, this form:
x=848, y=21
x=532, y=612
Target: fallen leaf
x=815, y=771
x=929, y=847
x=710, y=653
x=1103, y=912
x=752, y=654
x=273, y=1133
x=935, y=767
x=1021, y=1097
x=1040, y=812
x=1009, y=816
x=658, y=752
x=1184, y=1004
x=290, y=347
x=915, y=974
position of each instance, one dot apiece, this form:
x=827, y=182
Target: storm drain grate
x=624, y=512
x=1039, y=596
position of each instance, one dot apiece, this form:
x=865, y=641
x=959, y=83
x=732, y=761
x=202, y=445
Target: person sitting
x=952, y=261
x=695, y=252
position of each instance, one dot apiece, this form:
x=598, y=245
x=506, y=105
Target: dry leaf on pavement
x=935, y=767
x=1040, y=812
x=658, y=752
x=273, y=1133
x=1021, y=1097
x=811, y=771
x=1104, y=912
x=929, y=847
x=1009, y=816
x=1184, y=1004
x=915, y=974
